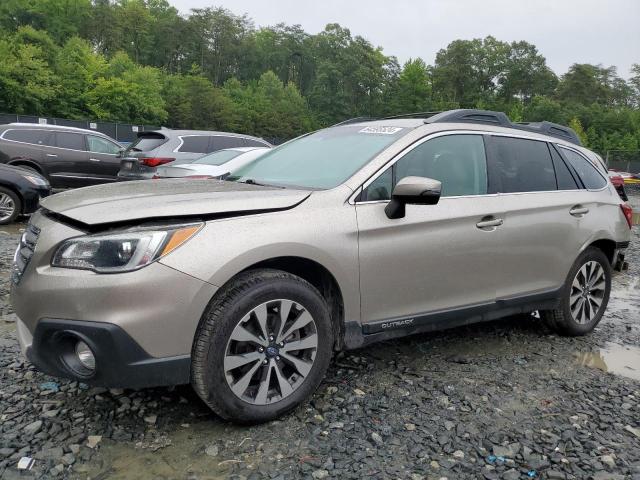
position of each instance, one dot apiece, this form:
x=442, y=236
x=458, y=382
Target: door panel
x=434, y=258
x=103, y=161
x=541, y=237
x=542, y=240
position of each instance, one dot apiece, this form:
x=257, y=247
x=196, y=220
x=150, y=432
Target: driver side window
x=458, y=161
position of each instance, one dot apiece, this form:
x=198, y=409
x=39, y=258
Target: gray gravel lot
x=507, y=399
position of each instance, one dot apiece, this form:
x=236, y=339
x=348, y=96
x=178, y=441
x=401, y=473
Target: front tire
x=585, y=295
x=10, y=206
x=263, y=346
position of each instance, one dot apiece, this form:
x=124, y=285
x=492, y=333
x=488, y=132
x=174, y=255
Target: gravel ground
x=507, y=399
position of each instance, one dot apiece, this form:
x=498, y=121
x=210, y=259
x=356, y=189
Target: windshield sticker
x=381, y=130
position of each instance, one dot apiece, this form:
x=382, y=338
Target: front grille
x=24, y=252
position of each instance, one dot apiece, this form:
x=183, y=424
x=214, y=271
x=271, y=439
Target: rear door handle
x=94, y=159
x=51, y=155
x=579, y=211
x=489, y=223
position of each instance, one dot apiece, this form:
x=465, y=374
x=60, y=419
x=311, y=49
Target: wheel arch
x=606, y=245
x=27, y=162
x=317, y=275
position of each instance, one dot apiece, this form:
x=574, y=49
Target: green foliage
x=577, y=127
x=141, y=61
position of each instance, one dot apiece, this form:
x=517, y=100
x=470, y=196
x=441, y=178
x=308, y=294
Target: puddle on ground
x=615, y=358
x=182, y=456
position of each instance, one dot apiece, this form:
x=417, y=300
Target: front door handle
x=51, y=155
x=489, y=223
x=579, y=211
x=94, y=159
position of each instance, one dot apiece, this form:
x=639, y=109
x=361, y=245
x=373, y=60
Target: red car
x=617, y=180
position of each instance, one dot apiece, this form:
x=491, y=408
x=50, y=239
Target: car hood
x=152, y=199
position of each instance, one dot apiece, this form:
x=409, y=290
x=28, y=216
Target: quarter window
x=72, y=141
x=100, y=145
x=564, y=177
x=458, y=161
x=195, y=144
x=521, y=165
x=587, y=172
x=253, y=143
x=220, y=142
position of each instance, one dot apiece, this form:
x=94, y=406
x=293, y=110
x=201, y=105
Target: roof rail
x=500, y=119
x=550, y=128
x=412, y=115
x=353, y=120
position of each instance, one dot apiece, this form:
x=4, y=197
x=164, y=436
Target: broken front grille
x=24, y=252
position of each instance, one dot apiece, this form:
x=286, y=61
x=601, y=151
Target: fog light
x=85, y=356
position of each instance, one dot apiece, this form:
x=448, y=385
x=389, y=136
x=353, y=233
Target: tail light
x=155, y=161
x=627, y=211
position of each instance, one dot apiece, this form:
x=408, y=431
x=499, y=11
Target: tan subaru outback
x=340, y=238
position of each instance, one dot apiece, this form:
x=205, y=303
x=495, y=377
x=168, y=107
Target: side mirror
x=415, y=191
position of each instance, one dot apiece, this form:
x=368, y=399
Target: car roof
x=391, y=122
x=47, y=126
x=175, y=132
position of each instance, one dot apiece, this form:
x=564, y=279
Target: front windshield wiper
x=251, y=181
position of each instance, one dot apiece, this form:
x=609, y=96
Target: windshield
x=218, y=158
x=321, y=160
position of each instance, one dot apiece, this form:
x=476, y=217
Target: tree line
x=141, y=61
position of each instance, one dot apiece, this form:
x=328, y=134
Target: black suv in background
x=154, y=148
x=66, y=156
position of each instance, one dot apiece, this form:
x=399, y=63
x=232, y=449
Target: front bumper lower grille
x=24, y=252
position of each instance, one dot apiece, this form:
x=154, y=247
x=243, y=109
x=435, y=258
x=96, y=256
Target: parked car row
x=72, y=157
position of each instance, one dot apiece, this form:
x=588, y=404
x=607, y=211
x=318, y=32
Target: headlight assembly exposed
x=36, y=180
x=121, y=251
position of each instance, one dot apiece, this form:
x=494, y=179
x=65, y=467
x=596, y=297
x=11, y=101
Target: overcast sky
x=565, y=31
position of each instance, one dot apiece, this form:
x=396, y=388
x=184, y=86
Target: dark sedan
x=20, y=192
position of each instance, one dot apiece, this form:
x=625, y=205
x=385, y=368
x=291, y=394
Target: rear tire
x=585, y=295
x=10, y=206
x=263, y=346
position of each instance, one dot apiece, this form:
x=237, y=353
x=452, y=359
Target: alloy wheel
x=7, y=207
x=587, y=292
x=270, y=352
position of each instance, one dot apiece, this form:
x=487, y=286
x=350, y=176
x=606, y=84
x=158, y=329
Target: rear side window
x=194, y=144
x=587, y=172
x=72, y=141
x=147, y=142
x=564, y=177
x=220, y=142
x=521, y=165
x=37, y=137
x=101, y=145
x=247, y=142
x=218, y=158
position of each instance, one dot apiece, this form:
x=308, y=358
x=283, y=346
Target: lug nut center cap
x=272, y=351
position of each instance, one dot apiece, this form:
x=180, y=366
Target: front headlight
x=36, y=180
x=122, y=251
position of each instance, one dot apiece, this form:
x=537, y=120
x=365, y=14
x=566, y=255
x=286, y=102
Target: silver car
x=215, y=165
x=343, y=237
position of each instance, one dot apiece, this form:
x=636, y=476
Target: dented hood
x=121, y=202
